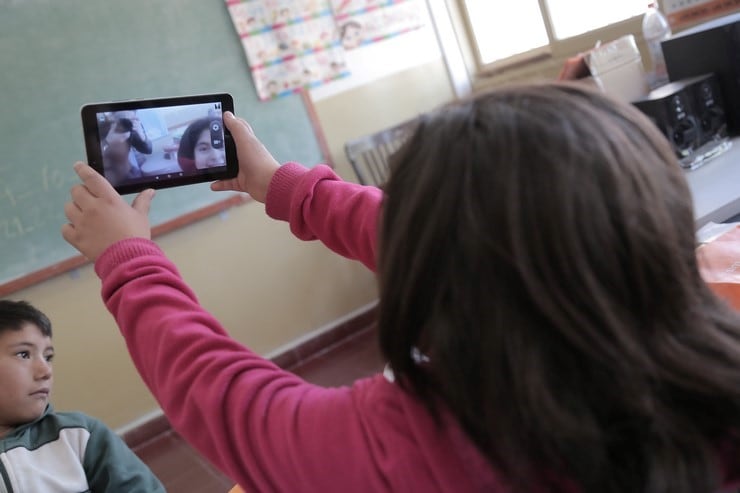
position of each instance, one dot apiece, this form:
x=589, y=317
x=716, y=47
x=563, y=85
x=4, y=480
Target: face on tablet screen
x=158, y=144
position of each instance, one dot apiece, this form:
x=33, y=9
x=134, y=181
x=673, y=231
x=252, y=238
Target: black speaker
x=691, y=114
x=710, y=109
x=711, y=47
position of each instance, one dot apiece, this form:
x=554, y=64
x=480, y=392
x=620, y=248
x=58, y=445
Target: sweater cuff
x=287, y=182
x=282, y=185
x=122, y=251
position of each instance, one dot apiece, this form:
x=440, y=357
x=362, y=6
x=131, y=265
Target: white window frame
x=540, y=63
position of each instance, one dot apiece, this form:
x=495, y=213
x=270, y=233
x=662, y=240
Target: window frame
x=545, y=61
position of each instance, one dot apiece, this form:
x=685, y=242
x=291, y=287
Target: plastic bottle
x=655, y=29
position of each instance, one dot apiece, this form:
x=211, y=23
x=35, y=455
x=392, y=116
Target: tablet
x=160, y=143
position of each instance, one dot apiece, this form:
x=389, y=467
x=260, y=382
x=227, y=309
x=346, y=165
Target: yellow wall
x=381, y=104
x=265, y=286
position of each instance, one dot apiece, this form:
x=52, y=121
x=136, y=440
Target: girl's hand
x=256, y=164
x=99, y=217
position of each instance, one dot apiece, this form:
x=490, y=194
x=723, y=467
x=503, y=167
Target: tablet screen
x=161, y=142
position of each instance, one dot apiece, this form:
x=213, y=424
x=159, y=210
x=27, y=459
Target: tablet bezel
x=89, y=113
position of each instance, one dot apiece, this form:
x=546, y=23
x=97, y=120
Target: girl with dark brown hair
x=541, y=310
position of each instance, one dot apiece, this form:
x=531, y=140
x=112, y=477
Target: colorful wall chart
x=367, y=21
x=289, y=44
x=295, y=44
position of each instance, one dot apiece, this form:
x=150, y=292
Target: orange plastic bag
x=719, y=265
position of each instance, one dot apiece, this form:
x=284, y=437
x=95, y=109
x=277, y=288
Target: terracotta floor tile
x=180, y=467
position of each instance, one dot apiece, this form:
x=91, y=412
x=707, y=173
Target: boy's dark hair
x=15, y=314
x=537, y=244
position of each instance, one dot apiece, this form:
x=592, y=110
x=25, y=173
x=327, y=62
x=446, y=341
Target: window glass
x=574, y=17
x=502, y=31
x=505, y=29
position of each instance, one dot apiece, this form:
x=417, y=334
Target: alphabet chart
x=684, y=13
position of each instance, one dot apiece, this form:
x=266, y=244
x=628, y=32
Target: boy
x=43, y=450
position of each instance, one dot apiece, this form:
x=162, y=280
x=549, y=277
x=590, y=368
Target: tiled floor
x=183, y=470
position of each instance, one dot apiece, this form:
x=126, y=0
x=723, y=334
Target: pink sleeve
x=319, y=205
x=264, y=427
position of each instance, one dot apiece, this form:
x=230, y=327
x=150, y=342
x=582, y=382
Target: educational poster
x=375, y=61
x=361, y=22
x=683, y=13
x=289, y=44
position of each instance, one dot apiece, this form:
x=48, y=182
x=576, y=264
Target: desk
x=715, y=187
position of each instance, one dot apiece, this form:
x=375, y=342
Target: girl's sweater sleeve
x=318, y=205
x=264, y=427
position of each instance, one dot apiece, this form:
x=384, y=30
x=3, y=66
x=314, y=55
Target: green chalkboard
x=56, y=55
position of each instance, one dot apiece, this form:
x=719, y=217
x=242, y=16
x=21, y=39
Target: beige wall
x=381, y=104
x=265, y=286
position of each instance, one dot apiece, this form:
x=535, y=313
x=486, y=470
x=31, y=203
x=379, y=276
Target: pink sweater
x=264, y=427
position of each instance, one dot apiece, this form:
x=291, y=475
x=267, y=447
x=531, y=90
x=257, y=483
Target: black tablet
x=160, y=143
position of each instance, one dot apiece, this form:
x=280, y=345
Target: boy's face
x=25, y=375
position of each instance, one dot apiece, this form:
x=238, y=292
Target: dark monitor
x=711, y=47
